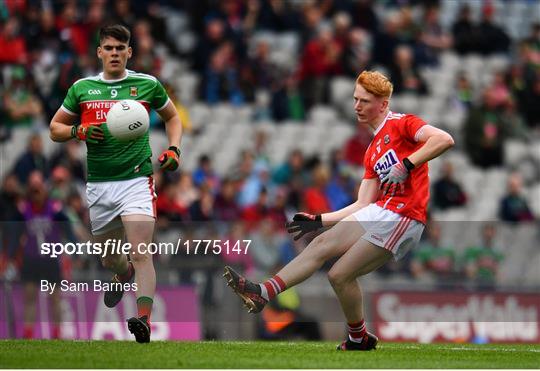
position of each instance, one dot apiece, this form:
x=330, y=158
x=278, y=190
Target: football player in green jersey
x=120, y=188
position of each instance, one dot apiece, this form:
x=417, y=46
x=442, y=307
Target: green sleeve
x=159, y=97
x=471, y=255
x=71, y=101
x=421, y=255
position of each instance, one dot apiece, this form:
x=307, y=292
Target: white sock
x=264, y=292
x=354, y=340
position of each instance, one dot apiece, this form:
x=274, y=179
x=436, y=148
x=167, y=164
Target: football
x=127, y=120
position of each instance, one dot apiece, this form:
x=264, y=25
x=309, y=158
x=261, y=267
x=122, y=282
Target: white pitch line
x=476, y=349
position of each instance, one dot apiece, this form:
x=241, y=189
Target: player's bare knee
x=138, y=259
x=321, y=246
x=337, y=279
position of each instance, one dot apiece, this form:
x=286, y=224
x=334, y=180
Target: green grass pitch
x=250, y=355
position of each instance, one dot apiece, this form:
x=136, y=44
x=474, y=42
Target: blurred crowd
x=47, y=45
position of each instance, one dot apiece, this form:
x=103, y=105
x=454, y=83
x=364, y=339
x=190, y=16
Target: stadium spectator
x=529, y=103
x=124, y=14
x=45, y=221
x=274, y=15
x=204, y=174
x=168, y=205
x=33, y=159
x=69, y=156
x=11, y=219
x=405, y=74
x=70, y=27
x=187, y=193
x=364, y=16
x=319, y=62
x=315, y=198
x=21, y=104
x=464, y=94
x=253, y=214
x=482, y=262
x=357, y=145
x=294, y=167
x=235, y=233
x=485, y=131
x=447, y=192
x=514, y=206
x=265, y=247
x=12, y=43
x=433, y=39
x=386, y=41
x=221, y=80
x=61, y=184
x=357, y=53
x=202, y=209
x=254, y=183
x=225, y=206
x=492, y=38
x=432, y=259
x=144, y=58
x=215, y=34
x=341, y=187
x=464, y=32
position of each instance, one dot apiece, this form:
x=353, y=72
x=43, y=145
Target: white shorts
x=389, y=230
x=107, y=201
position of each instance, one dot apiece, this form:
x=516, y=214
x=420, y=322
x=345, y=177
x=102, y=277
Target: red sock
x=126, y=277
x=357, y=330
x=274, y=286
x=144, y=307
x=28, y=331
x=55, y=332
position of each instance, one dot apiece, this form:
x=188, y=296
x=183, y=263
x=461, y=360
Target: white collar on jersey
x=115, y=80
x=382, y=123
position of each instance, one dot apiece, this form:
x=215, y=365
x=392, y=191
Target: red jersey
x=395, y=139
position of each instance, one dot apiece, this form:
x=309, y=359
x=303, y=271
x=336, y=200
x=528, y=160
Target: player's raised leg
x=117, y=263
x=331, y=243
x=139, y=232
x=364, y=257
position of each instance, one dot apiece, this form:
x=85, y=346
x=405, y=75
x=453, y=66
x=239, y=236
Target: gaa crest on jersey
x=386, y=139
x=133, y=91
x=386, y=161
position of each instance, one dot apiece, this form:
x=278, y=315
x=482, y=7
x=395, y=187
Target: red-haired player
x=386, y=221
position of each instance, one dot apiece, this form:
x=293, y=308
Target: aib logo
x=135, y=125
x=386, y=161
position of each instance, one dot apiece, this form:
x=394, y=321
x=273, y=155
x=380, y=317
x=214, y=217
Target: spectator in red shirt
x=315, y=199
x=12, y=44
x=356, y=146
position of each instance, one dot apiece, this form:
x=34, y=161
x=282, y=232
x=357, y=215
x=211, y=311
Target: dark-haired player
x=120, y=188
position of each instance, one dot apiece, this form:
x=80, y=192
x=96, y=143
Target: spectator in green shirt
x=432, y=258
x=482, y=262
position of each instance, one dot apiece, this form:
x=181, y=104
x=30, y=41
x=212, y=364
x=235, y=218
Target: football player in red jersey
x=386, y=221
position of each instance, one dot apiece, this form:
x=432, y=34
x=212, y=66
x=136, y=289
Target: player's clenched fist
x=396, y=176
x=91, y=133
x=169, y=159
x=304, y=223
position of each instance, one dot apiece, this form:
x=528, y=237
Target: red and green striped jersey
x=91, y=98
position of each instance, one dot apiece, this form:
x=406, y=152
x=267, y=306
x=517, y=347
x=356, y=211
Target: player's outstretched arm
x=170, y=158
x=304, y=223
x=367, y=193
x=437, y=141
